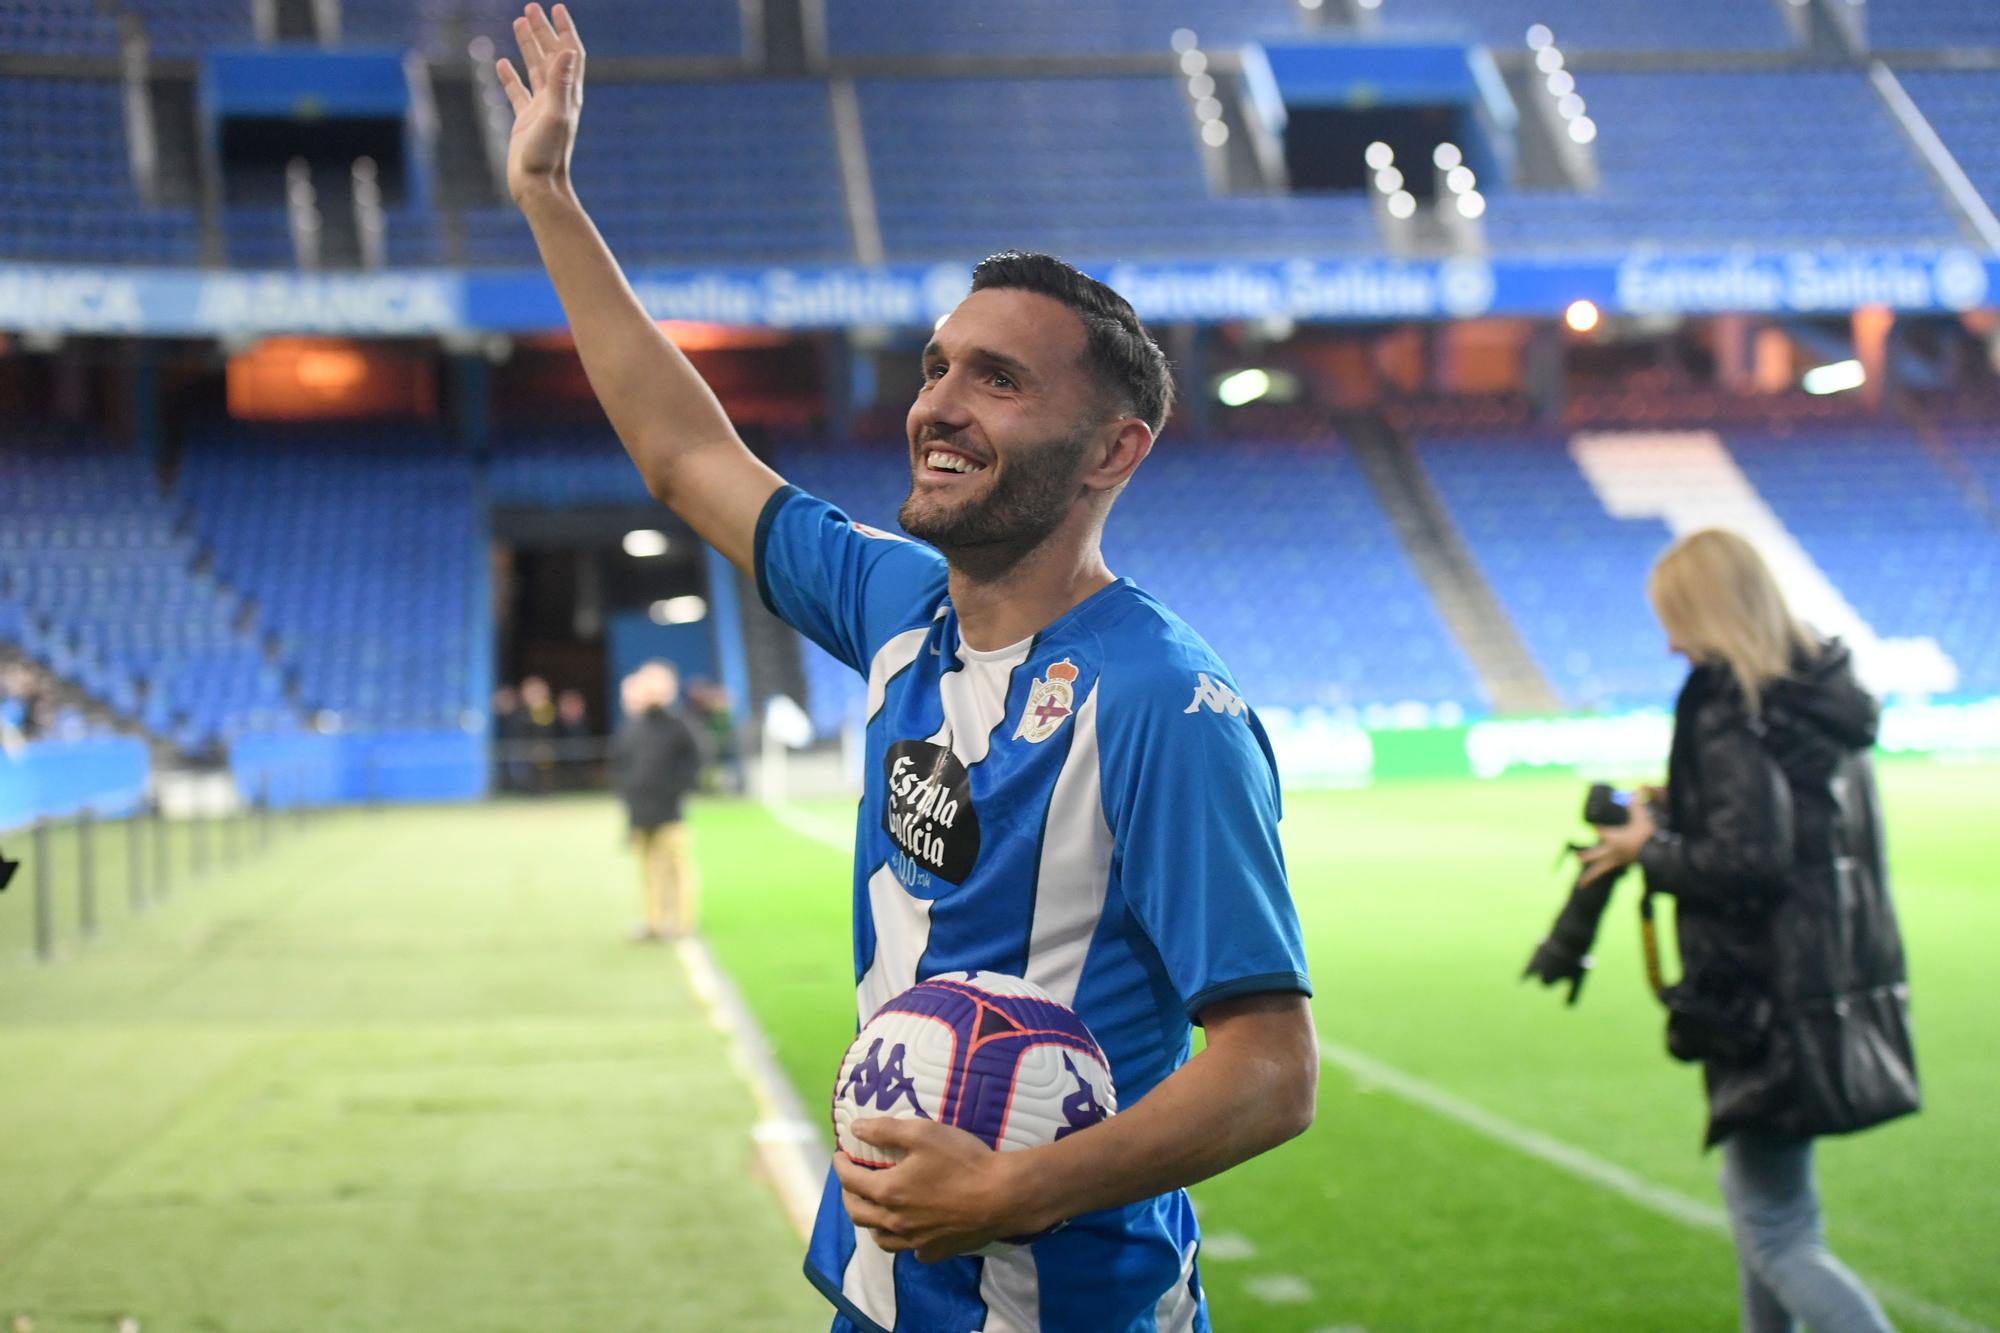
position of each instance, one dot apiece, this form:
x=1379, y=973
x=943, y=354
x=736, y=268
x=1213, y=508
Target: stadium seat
x=1745, y=158
x=1963, y=106
x=1593, y=25
x=361, y=545
x=69, y=195
x=1571, y=577
x=108, y=591
x=1046, y=27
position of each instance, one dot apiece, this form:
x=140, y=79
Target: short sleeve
x=1191, y=795
x=847, y=587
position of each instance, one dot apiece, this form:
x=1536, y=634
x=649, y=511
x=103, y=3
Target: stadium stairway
x=1464, y=600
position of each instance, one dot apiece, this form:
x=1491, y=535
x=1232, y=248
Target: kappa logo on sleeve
x=1214, y=696
x=877, y=533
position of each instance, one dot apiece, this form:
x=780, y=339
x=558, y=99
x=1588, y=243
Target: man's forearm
x=658, y=403
x=1223, y=1107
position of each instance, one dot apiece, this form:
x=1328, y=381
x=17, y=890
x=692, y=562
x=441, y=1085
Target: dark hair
x=1123, y=357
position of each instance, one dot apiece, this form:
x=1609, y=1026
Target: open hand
x=547, y=105
x=950, y=1193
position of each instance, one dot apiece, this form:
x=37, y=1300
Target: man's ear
x=1119, y=454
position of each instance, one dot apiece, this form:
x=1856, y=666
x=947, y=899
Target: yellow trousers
x=669, y=889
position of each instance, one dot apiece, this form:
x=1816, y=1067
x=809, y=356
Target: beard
x=1029, y=499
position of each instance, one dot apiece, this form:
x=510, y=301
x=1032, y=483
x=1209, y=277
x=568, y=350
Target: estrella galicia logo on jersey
x=1051, y=699
x=930, y=814
x=882, y=1083
x=1081, y=1108
x=1214, y=695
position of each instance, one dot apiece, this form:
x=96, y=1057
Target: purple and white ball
x=988, y=1053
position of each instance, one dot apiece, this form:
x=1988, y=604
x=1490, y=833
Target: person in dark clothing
x=509, y=731
x=656, y=761
x=573, y=737
x=1771, y=846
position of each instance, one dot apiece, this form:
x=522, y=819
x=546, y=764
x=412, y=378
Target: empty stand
x=102, y=585
x=1963, y=106
x=1686, y=25
x=1572, y=577
x=558, y=469
x=1046, y=27
x=1904, y=25
x=188, y=27
x=442, y=29
x=56, y=27
x=361, y=546
x=731, y=171
x=69, y=194
x=1018, y=174
x=1900, y=539
x=1801, y=158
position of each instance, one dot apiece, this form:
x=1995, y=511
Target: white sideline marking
x=837, y=833
x=1575, y=1161
x=1280, y=1289
x=788, y=1146
x=1225, y=1247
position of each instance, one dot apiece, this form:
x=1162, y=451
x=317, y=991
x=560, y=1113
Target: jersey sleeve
x=1191, y=795
x=845, y=586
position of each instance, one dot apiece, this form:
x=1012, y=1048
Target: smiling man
x=1062, y=781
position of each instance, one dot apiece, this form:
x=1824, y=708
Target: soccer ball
x=988, y=1053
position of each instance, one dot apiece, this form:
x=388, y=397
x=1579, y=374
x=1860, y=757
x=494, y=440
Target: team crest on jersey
x=1051, y=699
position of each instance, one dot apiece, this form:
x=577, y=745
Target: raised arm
x=669, y=421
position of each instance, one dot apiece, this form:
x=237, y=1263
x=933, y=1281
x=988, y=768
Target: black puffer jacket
x=1773, y=851
x=655, y=762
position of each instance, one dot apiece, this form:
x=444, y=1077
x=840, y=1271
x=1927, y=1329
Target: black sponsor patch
x=930, y=814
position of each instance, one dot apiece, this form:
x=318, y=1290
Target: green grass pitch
x=1421, y=903
x=404, y=1073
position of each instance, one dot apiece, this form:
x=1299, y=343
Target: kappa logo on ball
x=1051, y=699
x=880, y=1083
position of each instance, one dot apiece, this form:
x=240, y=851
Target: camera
x=1564, y=955
x=1606, y=806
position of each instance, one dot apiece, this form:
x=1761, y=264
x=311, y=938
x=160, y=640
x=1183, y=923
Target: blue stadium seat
x=106, y=591
x=1898, y=536
x=189, y=27
x=1046, y=27
x=69, y=195
x=360, y=545
x=1599, y=25
x=560, y=469
x=56, y=27
x=1744, y=158
x=721, y=172
x=1571, y=577
x=1905, y=25
x=1963, y=106
x=442, y=29
x=1133, y=186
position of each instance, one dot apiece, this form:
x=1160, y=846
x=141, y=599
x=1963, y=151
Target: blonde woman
x=1771, y=845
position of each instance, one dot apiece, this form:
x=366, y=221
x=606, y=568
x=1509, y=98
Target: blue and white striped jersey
x=1094, y=809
